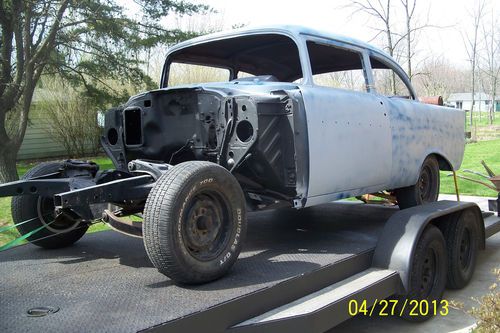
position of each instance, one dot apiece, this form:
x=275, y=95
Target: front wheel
x=194, y=222
x=425, y=190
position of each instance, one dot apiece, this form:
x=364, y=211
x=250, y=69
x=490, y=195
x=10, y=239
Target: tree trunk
x=493, y=105
x=8, y=170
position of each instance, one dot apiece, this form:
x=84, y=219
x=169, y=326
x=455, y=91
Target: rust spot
x=436, y=100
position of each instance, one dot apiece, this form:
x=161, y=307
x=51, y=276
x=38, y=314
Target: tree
x=471, y=44
x=71, y=119
x=409, y=9
x=491, y=62
x=380, y=11
x=438, y=77
x=394, y=34
x=88, y=42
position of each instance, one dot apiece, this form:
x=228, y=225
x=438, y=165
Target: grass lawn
x=488, y=151
x=481, y=119
x=485, y=130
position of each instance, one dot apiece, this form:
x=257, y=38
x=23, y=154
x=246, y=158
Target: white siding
x=37, y=142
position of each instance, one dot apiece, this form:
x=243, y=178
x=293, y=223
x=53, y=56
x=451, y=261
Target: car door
x=349, y=129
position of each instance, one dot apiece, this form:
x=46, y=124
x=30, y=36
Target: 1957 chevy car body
x=295, y=118
x=306, y=140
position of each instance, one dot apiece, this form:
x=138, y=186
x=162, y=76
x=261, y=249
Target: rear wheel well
x=444, y=164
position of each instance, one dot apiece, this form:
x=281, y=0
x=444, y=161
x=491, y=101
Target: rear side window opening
x=387, y=81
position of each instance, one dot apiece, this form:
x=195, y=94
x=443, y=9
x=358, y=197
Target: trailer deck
x=106, y=282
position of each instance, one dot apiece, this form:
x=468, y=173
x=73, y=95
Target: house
x=481, y=101
x=39, y=142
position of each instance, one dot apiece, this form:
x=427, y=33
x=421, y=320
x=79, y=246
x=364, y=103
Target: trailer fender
x=396, y=245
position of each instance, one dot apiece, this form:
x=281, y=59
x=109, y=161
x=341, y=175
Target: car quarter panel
x=419, y=130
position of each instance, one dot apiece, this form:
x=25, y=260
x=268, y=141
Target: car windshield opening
x=258, y=55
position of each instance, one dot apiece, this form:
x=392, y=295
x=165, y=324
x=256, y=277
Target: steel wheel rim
x=206, y=227
x=465, y=249
x=45, y=211
x=425, y=184
x=429, y=270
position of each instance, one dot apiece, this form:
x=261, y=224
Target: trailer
x=299, y=271
x=268, y=142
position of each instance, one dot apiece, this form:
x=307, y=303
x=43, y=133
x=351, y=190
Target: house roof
x=479, y=96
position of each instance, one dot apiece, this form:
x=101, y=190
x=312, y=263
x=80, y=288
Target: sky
x=451, y=19
x=335, y=17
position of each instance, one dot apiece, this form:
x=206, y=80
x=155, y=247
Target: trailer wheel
x=427, y=275
x=425, y=190
x=194, y=222
x=39, y=211
x=462, y=242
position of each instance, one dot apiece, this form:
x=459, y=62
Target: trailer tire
x=425, y=190
x=427, y=276
x=462, y=236
x=61, y=233
x=194, y=222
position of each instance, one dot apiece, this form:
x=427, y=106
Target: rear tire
x=427, y=275
x=425, y=190
x=40, y=210
x=462, y=236
x=194, y=222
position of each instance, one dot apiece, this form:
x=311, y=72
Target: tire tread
x=158, y=208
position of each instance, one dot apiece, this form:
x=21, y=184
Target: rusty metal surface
x=435, y=100
x=496, y=181
x=478, y=182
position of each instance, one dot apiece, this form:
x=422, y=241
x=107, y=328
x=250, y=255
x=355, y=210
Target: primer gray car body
x=285, y=138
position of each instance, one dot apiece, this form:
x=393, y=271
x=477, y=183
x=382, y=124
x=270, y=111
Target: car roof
x=294, y=31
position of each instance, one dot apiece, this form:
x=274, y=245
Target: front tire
x=194, y=222
x=39, y=211
x=425, y=190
